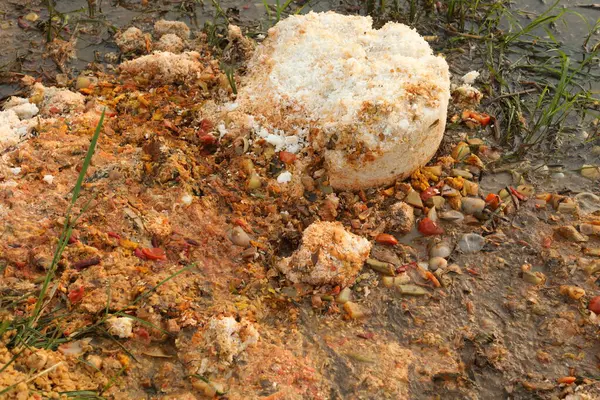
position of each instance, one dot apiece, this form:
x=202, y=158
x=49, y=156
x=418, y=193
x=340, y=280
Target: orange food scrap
x=566, y=380
x=385, y=238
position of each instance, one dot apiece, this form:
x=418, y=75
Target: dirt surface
x=169, y=286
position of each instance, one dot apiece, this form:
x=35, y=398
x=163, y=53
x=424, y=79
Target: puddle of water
x=95, y=37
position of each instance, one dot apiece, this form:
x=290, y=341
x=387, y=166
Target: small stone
x=471, y=243
x=437, y=202
x=402, y=217
x=436, y=263
x=239, y=237
x=441, y=249
x=448, y=191
x=31, y=17
x=472, y=205
x=588, y=203
x=462, y=173
x=414, y=199
x=591, y=172
x=452, y=215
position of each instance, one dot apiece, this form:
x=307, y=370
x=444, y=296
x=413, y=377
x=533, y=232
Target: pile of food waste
x=168, y=233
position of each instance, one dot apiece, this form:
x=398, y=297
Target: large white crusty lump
x=374, y=100
x=328, y=255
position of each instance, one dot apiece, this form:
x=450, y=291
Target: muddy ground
x=501, y=324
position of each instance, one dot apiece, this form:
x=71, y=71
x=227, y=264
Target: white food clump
x=170, y=42
x=292, y=141
x=165, y=67
x=16, y=121
x=374, y=96
x=57, y=101
x=48, y=179
x=22, y=107
x=10, y=129
x=131, y=40
x=121, y=327
x=466, y=96
x=230, y=337
x=328, y=255
x=178, y=28
x=284, y=177
x=470, y=77
x=187, y=199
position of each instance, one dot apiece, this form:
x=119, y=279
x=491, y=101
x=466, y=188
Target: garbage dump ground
x=162, y=239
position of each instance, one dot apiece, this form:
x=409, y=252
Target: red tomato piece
x=139, y=253
x=76, y=295
x=142, y=334
x=547, y=242
x=492, y=200
x=594, y=305
x=113, y=235
x=483, y=119
x=429, y=227
x=208, y=139
x=154, y=253
x=286, y=157
x=517, y=194
x=205, y=126
x=429, y=193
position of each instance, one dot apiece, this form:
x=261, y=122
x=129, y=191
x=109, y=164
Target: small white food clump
x=328, y=255
x=178, y=28
x=16, y=121
x=187, y=199
x=165, y=67
x=470, y=77
x=131, y=40
x=230, y=337
x=377, y=99
x=48, y=179
x=170, y=42
x=284, y=177
x=121, y=327
x=22, y=107
x=55, y=101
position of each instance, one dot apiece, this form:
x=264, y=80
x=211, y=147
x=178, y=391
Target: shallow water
x=22, y=44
